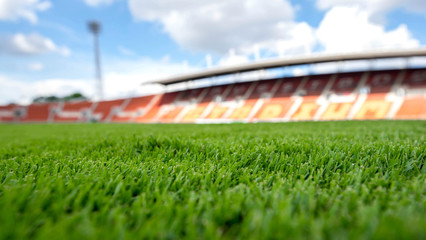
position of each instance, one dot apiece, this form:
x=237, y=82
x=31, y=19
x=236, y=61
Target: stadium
x=318, y=134
x=385, y=94
x=298, y=180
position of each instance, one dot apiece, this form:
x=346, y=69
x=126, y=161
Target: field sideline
x=306, y=180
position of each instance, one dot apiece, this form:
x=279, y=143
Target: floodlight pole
x=95, y=28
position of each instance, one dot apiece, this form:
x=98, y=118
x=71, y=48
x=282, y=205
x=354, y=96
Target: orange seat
x=412, y=108
x=148, y=116
x=242, y=113
x=217, y=112
x=38, y=112
x=130, y=111
x=272, y=109
x=72, y=111
x=306, y=110
x=7, y=113
x=337, y=111
x=374, y=107
x=153, y=114
x=170, y=115
x=104, y=108
x=194, y=113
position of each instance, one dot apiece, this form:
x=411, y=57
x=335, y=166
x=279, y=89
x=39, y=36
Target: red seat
x=104, y=108
x=412, y=108
x=38, y=112
x=158, y=109
x=7, y=113
x=73, y=111
x=131, y=110
x=381, y=81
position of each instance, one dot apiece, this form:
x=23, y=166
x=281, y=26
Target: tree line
x=74, y=96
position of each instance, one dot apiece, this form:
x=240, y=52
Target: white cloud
x=97, y=3
x=61, y=87
x=416, y=6
x=13, y=10
x=376, y=8
x=30, y=44
x=224, y=24
x=123, y=85
x=123, y=80
x=243, y=25
x=36, y=66
x=349, y=29
x=233, y=59
x=126, y=51
x=22, y=92
x=372, y=5
x=300, y=40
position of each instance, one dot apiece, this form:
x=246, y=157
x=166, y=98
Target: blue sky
x=46, y=48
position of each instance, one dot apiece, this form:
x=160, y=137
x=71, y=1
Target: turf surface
x=324, y=180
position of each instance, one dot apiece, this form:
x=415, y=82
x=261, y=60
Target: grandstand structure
x=355, y=95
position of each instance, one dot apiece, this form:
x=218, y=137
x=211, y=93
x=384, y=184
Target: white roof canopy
x=284, y=62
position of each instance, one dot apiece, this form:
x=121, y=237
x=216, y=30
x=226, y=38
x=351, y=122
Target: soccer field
x=306, y=180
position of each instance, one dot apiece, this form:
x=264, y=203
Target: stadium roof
x=284, y=62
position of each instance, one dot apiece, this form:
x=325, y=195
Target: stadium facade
x=367, y=94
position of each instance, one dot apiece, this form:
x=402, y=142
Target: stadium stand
x=103, y=111
x=412, y=108
x=7, y=113
x=161, y=110
x=413, y=105
x=310, y=92
x=391, y=94
x=133, y=108
x=376, y=100
x=231, y=105
x=200, y=110
x=38, y=112
x=278, y=101
x=189, y=99
x=77, y=111
x=416, y=79
x=342, y=96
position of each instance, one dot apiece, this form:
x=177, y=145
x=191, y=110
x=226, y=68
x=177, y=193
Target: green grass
x=325, y=180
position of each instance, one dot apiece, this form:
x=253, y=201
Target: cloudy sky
x=46, y=48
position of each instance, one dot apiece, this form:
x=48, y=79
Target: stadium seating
x=416, y=79
x=133, y=108
x=342, y=96
x=346, y=83
x=38, y=112
x=233, y=107
x=375, y=107
x=310, y=91
x=7, y=113
x=161, y=108
x=202, y=108
x=73, y=112
x=412, y=108
x=392, y=94
x=337, y=111
x=278, y=100
x=103, y=111
x=381, y=81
